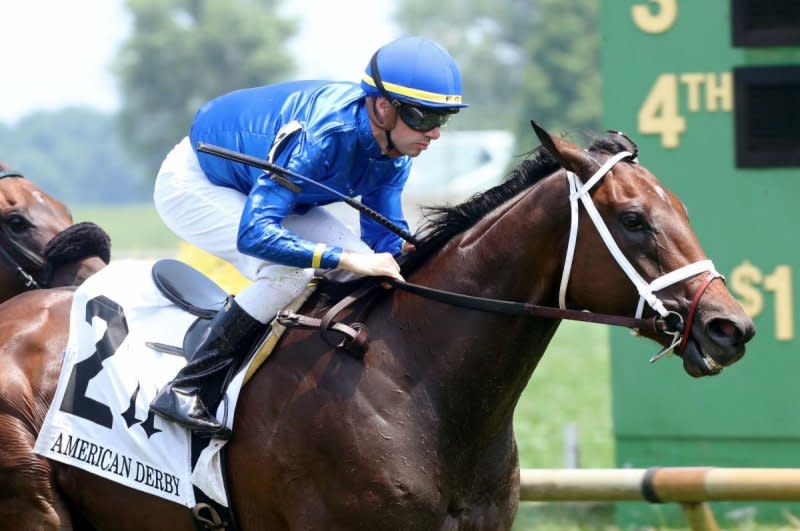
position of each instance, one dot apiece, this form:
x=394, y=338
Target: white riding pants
x=208, y=216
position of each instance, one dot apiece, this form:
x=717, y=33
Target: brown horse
x=28, y=368
x=29, y=219
x=418, y=434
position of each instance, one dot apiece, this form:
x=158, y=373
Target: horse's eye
x=633, y=221
x=17, y=223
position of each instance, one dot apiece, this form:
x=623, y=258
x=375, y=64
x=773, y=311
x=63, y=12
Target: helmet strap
x=391, y=121
x=389, y=144
x=385, y=125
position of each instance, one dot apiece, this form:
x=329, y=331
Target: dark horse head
x=617, y=242
x=646, y=229
x=418, y=434
x=29, y=220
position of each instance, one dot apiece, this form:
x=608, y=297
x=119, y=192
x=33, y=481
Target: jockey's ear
x=381, y=112
x=570, y=156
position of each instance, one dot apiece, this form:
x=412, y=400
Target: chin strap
x=389, y=144
x=391, y=149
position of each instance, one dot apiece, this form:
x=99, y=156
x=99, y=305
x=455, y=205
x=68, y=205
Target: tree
x=183, y=53
x=520, y=60
x=561, y=78
x=74, y=155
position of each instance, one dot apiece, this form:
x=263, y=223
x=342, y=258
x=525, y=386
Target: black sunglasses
x=417, y=118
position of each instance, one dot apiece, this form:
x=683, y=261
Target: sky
x=56, y=53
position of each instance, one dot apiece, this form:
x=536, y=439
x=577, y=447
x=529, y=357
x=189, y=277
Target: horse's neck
x=73, y=274
x=515, y=253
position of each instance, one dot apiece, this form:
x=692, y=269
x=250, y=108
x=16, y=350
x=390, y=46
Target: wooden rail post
x=692, y=487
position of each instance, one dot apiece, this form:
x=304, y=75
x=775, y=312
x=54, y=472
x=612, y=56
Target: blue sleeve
x=385, y=200
x=261, y=233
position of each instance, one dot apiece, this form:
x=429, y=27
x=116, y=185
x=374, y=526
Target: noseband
x=646, y=290
x=33, y=261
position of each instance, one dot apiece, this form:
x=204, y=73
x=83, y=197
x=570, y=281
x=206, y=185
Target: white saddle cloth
x=99, y=419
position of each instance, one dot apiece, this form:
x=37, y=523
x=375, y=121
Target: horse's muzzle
x=715, y=344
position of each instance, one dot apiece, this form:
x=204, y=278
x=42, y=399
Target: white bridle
x=646, y=290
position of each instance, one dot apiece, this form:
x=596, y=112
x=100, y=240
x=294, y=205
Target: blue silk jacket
x=335, y=147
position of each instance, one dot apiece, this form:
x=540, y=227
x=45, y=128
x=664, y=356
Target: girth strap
x=206, y=518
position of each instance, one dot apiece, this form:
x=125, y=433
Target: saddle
x=197, y=294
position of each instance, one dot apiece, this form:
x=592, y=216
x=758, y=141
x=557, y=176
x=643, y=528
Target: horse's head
x=29, y=219
x=638, y=245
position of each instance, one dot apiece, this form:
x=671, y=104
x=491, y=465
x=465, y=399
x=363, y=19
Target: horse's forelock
x=614, y=142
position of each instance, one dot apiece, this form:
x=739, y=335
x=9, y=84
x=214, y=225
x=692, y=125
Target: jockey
x=358, y=140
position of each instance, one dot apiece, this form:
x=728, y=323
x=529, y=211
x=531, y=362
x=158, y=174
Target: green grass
x=133, y=228
x=570, y=386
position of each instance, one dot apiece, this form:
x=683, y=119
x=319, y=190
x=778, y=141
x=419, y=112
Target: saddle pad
x=99, y=420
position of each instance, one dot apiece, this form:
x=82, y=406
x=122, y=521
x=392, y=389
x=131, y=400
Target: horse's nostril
x=725, y=332
x=727, y=328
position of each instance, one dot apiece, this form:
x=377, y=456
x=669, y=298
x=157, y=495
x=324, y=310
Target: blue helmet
x=417, y=71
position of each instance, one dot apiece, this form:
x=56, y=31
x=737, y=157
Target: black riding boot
x=194, y=394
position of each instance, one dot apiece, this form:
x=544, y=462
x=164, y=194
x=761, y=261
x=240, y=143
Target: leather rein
x=34, y=260
x=484, y=304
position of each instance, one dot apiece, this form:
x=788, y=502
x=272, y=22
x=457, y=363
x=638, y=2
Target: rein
x=35, y=260
x=525, y=308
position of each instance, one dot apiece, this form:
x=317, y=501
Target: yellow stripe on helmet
x=423, y=95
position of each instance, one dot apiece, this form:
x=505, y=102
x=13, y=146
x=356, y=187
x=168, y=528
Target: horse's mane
x=444, y=222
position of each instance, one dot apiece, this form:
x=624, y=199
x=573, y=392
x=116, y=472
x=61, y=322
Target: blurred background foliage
x=182, y=53
x=517, y=64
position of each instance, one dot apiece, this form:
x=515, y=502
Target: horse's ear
x=570, y=156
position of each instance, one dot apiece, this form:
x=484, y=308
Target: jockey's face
x=410, y=142
x=406, y=140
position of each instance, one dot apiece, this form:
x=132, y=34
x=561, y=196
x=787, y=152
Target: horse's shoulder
x=32, y=314
x=33, y=333
x=39, y=299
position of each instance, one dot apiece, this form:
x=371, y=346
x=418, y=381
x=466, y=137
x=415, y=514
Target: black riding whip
x=280, y=175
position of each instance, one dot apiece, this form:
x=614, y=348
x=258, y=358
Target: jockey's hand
x=373, y=265
x=407, y=248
